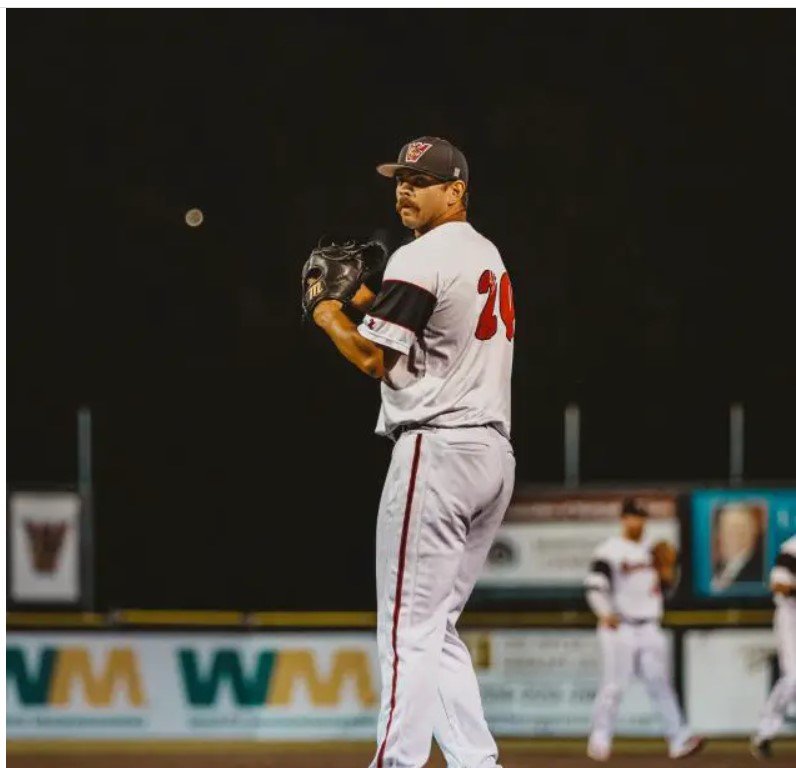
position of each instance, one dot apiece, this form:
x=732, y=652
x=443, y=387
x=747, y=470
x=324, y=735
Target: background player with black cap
x=624, y=589
x=439, y=335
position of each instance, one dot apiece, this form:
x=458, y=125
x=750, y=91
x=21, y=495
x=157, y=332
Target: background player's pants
x=444, y=497
x=784, y=692
x=641, y=650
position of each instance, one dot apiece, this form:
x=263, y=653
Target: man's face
x=420, y=199
x=633, y=526
x=737, y=532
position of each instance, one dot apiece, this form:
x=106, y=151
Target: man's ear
x=456, y=190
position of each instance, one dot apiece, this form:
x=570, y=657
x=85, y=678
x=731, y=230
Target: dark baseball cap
x=432, y=155
x=632, y=507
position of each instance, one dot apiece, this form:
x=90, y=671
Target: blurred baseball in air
x=194, y=217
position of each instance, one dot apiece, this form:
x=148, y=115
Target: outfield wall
x=299, y=686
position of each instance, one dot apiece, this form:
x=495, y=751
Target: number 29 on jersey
x=496, y=290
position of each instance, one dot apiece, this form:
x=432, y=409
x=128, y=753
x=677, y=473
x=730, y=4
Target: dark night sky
x=634, y=168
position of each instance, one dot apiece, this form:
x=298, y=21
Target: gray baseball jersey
x=446, y=305
x=623, y=570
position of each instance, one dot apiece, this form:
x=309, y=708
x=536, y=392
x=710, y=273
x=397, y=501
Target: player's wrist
x=325, y=310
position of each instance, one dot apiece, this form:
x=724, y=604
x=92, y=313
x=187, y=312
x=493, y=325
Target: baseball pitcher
x=783, y=585
x=439, y=335
x=624, y=589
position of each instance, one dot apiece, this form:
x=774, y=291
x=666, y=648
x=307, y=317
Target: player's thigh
x=438, y=542
x=392, y=511
x=484, y=524
x=653, y=654
x=617, y=652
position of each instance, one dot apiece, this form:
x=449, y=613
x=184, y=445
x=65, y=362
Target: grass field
x=514, y=754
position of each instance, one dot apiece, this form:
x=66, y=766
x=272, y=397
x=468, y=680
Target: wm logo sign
x=274, y=676
x=61, y=676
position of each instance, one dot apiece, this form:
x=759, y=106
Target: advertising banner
x=44, y=547
x=545, y=545
x=292, y=687
x=745, y=663
x=736, y=537
x=129, y=686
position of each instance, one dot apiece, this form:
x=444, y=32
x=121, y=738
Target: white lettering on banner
x=745, y=661
x=543, y=682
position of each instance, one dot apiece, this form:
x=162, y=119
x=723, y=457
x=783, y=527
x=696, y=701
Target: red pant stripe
x=398, y=592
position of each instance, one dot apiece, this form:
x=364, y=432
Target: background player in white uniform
x=440, y=337
x=624, y=589
x=783, y=585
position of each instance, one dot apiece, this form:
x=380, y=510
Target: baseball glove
x=664, y=556
x=335, y=271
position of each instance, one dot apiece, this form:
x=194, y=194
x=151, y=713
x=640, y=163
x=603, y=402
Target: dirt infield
x=514, y=754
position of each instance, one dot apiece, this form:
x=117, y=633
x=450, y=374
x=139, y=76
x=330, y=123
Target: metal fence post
x=85, y=487
x=572, y=445
x=736, y=443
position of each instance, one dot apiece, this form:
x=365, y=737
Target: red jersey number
x=487, y=322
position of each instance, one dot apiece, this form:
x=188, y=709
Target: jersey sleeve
x=404, y=304
x=599, y=584
x=600, y=576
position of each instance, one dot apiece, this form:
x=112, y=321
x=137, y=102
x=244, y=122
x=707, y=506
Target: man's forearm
x=600, y=603
x=354, y=347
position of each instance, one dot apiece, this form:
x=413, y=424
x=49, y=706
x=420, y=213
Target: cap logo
x=416, y=150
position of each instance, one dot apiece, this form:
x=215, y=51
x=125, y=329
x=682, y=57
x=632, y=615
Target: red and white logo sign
x=416, y=150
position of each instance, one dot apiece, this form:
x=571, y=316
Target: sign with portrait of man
x=736, y=535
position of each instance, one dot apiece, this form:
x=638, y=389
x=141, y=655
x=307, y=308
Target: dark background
x=633, y=167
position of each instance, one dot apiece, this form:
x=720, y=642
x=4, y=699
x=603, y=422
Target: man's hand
x=362, y=300
x=611, y=621
x=339, y=272
x=324, y=311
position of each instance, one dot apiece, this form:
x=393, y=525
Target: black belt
x=638, y=622
x=401, y=428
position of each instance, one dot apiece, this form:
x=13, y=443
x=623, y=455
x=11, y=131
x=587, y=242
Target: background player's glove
x=664, y=558
x=336, y=271
x=664, y=555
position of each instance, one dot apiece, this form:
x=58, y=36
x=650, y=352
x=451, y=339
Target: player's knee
x=611, y=692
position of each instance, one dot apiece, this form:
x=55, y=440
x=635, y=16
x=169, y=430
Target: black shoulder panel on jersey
x=787, y=561
x=602, y=566
x=404, y=304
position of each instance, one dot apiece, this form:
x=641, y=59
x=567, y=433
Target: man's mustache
x=405, y=202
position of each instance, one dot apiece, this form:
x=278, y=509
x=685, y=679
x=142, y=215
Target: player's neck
x=456, y=214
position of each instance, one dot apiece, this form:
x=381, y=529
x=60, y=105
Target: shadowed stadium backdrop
x=632, y=167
